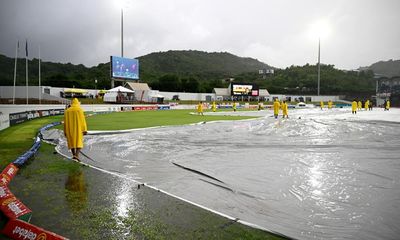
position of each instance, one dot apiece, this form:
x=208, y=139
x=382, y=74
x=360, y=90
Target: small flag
x=26, y=48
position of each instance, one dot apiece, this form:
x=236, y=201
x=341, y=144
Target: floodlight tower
x=319, y=63
x=122, y=32
x=320, y=29
x=122, y=41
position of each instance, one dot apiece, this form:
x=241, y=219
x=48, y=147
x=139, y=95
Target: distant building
x=252, y=94
x=141, y=90
x=388, y=88
x=143, y=93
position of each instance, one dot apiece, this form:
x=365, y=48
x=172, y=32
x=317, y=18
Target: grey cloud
x=275, y=32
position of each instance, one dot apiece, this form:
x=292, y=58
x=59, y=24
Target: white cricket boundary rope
x=168, y=193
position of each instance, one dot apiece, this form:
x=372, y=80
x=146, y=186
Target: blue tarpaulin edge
x=21, y=160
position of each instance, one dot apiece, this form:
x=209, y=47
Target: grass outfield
x=17, y=139
x=141, y=119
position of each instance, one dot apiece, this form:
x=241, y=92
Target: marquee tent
x=120, y=89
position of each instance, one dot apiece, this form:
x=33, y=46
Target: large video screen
x=244, y=90
x=125, y=68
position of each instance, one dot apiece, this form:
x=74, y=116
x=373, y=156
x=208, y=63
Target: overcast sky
x=280, y=33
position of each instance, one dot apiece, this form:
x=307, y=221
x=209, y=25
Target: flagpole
x=40, y=92
x=26, y=72
x=15, y=69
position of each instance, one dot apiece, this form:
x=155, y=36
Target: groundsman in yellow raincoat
x=354, y=107
x=75, y=127
x=321, y=104
x=366, y=105
x=200, y=108
x=214, y=107
x=387, y=107
x=277, y=105
x=285, y=109
x=329, y=104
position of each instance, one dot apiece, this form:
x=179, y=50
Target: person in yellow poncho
x=359, y=105
x=214, y=107
x=74, y=128
x=285, y=109
x=366, y=105
x=276, y=106
x=321, y=104
x=200, y=108
x=354, y=107
x=387, y=105
x=330, y=104
x=234, y=106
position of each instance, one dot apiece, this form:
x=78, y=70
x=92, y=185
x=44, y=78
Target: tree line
x=291, y=80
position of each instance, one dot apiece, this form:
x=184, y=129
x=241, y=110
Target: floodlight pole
x=319, y=63
x=122, y=42
x=122, y=32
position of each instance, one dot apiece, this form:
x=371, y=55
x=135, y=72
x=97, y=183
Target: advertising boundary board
x=20, y=117
x=17, y=229
x=17, y=213
x=8, y=173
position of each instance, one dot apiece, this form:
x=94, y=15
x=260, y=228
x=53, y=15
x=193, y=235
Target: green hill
x=207, y=66
x=185, y=64
x=386, y=68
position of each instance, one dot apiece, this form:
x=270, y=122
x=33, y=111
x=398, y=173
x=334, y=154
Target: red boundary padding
x=17, y=229
x=11, y=206
x=8, y=173
x=14, y=209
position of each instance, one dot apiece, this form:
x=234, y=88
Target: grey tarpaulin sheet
x=316, y=175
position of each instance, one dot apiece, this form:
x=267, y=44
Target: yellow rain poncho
x=214, y=107
x=200, y=108
x=277, y=105
x=322, y=104
x=329, y=104
x=366, y=105
x=285, y=109
x=359, y=105
x=74, y=125
x=354, y=106
x=387, y=104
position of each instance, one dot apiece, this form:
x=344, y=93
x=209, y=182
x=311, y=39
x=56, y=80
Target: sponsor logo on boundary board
x=20, y=117
x=18, y=229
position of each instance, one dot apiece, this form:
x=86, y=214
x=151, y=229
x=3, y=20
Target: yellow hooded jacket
x=276, y=107
x=329, y=104
x=74, y=125
x=354, y=106
x=284, y=109
x=366, y=105
x=200, y=108
x=214, y=107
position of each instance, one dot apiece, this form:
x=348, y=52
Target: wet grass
x=141, y=119
x=15, y=140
